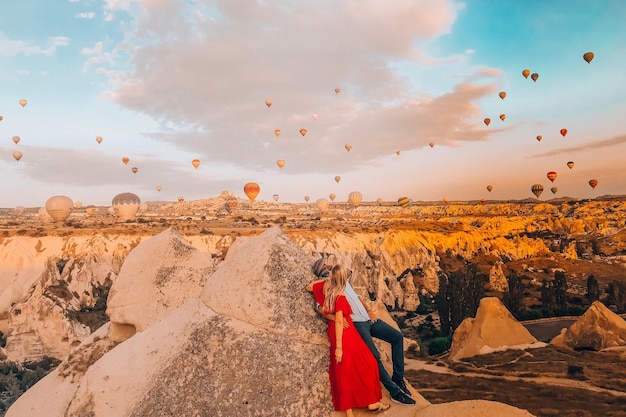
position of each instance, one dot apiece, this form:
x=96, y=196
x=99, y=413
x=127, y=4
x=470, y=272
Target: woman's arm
x=309, y=286
x=339, y=335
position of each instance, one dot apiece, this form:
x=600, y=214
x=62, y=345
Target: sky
x=164, y=82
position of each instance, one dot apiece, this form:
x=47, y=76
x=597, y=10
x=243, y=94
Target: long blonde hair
x=336, y=285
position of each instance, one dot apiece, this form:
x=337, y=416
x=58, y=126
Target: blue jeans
x=381, y=330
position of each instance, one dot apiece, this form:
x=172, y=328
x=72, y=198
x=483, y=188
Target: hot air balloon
x=537, y=189
x=551, y=176
x=332, y=196
x=252, y=190
x=322, y=205
x=445, y=200
x=314, y=116
x=539, y=137
x=570, y=164
x=1, y=118
x=17, y=155
x=23, y=103
x=125, y=160
x=195, y=163
x=337, y=90
x=398, y=153
x=554, y=190
x=534, y=76
x=588, y=56
x=403, y=202
x=99, y=139
x=431, y=144
x=134, y=169
x=125, y=205
x=78, y=204
x=337, y=179
x=280, y=163
x=159, y=188
x=487, y=121
x=354, y=198
x=231, y=204
x=348, y=147
x=16, y=139
x=526, y=73
x=277, y=132
x=563, y=132
x=502, y=116
x=59, y=207
x=91, y=210
x=489, y=187
x=18, y=211
x=502, y=94
x=275, y=197
x=268, y=102
x=379, y=201
x=593, y=183
x=303, y=131
x=181, y=198
x=307, y=198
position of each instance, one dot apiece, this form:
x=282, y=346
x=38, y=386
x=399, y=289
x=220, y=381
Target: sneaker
x=402, y=398
x=402, y=385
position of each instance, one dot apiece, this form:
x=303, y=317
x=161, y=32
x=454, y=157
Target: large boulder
x=494, y=328
x=598, y=328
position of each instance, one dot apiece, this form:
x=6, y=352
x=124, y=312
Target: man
x=369, y=326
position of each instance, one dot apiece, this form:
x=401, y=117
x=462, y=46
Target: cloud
x=85, y=15
x=9, y=47
x=618, y=140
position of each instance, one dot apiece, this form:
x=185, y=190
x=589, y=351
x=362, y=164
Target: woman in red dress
x=353, y=370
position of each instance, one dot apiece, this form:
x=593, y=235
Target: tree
x=547, y=295
x=513, y=297
x=617, y=295
x=560, y=291
x=593, y=289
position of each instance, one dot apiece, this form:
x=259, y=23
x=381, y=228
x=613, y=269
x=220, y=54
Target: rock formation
x=598, y=328
x=494, y=328
x=246, y=341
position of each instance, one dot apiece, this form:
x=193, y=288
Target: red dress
x=355, y=381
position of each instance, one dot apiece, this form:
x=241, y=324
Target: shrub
x=439, y=345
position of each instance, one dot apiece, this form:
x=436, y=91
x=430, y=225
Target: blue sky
x=166, y=81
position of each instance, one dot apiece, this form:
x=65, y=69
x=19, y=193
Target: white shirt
x=359, y=313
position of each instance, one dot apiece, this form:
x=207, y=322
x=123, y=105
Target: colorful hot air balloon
x=593, y=183
x=487, y=121
x=134, y=169
x=23, y=103
x=125, y=205
x=539, y=137
x=348, y=147
x=332, y=196
x=125, y=160
x=195, y=163
x=354, y=198
x=337, y=90
x=275, y=197
x=181, y=198
x=502, y=116
x=563, y=132
x=1, y=118
x=337, y=179
x=159, y=188
x=570, y=164
x=404, y=202
x=99, y=139
x=526, y=73
x=534, y=76
x=16, y=139
x=17, y=155
x=322, y=205
x=303, y=131
x=307, y=198
x=280, y=163
x=588, y=56
x=502, y=94
x=431, y=144
x=380, y=201
x=78, y=204
x=314, y=116
x=537, y=189
x=445, y=200
x=554, y=190
x=489, y=187
x=398, y=153
x=59, y=207
x=252, y=190
x=268, y=102
x=91, y=210
x=231, y=204
x=277, y=132
x=551, y=176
